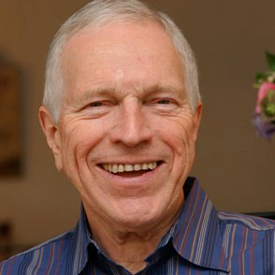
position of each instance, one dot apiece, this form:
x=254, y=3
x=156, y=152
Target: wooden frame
x=10, y=147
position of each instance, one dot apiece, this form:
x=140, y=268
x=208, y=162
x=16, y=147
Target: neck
x=128, y=248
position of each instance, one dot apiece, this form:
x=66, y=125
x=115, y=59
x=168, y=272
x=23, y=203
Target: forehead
x=132, y=52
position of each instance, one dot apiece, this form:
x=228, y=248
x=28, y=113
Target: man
x=121, y=114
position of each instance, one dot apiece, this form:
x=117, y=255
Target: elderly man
x=121, y=114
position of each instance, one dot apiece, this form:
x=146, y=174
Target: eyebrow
x=107, y=91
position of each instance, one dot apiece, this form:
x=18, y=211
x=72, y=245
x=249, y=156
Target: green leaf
x=270, y=109
x=270, y=60
x=268, y=105
x=261, y=77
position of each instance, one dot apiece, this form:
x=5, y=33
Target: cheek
x=178, y=135
x=78, y=139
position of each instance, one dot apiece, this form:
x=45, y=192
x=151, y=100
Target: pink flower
x=265, y=87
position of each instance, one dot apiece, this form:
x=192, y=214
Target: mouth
x=131, y=169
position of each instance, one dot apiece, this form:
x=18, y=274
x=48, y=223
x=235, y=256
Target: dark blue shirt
x=202, y=241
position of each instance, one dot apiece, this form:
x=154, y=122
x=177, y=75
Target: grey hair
x=99, y=13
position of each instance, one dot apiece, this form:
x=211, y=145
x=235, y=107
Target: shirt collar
x=78, y=250
x=197, y=236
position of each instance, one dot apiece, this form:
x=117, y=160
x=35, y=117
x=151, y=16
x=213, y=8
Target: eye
x=164, y=101
x=96, y=104
x=164, y=104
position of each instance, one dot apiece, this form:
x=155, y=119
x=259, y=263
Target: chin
x=137, y=217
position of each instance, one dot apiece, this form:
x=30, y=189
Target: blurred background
x=234, y=165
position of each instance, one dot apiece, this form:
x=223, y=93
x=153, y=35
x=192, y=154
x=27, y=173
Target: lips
x=121, y=168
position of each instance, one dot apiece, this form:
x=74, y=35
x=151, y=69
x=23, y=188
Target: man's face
x=126, y=133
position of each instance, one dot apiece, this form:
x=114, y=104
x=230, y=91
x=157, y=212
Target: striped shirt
x=202, y=241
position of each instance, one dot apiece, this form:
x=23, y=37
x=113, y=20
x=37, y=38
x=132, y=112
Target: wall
x=233, y=164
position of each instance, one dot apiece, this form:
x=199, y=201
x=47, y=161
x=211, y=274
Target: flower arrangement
x=264, y=114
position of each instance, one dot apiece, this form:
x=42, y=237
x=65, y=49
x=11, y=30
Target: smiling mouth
x=131, y=168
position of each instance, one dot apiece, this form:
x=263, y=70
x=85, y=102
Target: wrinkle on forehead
x=116, y=39
x=125, y=58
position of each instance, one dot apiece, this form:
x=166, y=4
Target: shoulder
x=248, y=242
x=242, y=233
x=246, y=221
x=42, y=256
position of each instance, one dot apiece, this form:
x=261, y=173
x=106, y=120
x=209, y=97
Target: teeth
x=152, y=166
x=128, y=168
x=115, y=168
x=137, y=167
x=120, y=168
x=144, y=166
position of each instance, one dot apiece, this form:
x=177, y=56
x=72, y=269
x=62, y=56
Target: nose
x=130, y=125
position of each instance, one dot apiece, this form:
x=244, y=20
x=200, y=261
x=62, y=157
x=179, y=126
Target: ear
x=197, y=119
x=52, y=134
